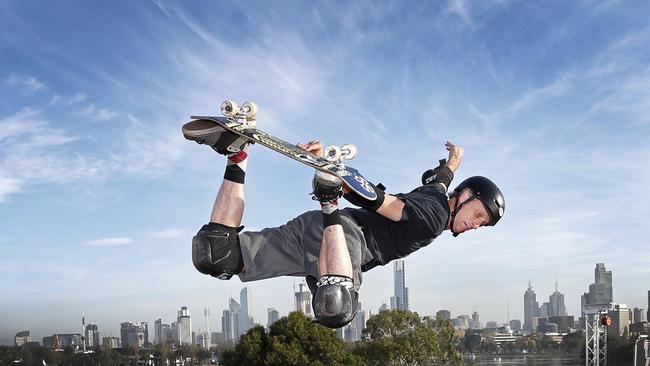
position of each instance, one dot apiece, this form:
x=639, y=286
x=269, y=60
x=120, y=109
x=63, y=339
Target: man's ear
x=465, y=195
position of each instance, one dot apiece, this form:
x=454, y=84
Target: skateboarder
x=332, y=248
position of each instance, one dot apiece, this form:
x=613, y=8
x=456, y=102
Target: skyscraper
x=400, y=300
x=273, y=316
x=246, y=306
x=639, y=315
x=234, y=308
x=184, y=326
x=531, y=308
x=556, y=303
x=303, y=299
x=92, y=335
x=157, y=332
x=226, y=326
x=648, y=314
x=132, y=334
x=601, y=291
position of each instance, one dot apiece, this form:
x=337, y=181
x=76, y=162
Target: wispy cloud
x=460, y=8
x=101, y=114
x=170, y=233
x=8, y=186
x=104, y=242
x=29, y=84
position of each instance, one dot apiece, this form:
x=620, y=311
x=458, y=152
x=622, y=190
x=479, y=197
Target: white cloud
x=170, y=233
x=29, y=84
x=460, y=8
x=8, y=186
x=101, y=114
x=109, y=242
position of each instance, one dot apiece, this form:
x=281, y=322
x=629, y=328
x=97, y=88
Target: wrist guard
x=359, y=201
x=441, y=174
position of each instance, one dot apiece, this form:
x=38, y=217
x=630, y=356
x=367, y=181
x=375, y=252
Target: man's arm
x=392, y=206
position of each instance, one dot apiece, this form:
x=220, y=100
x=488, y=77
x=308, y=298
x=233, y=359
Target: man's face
x=471, y=216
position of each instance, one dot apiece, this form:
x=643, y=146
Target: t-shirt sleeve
x=425, y=211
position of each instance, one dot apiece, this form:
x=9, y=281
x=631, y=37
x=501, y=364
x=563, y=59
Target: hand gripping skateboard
x=238, y=119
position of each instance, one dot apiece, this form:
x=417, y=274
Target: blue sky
x=100, y=194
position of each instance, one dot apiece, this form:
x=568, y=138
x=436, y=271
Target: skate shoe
x=210, y=133
x=326, y=187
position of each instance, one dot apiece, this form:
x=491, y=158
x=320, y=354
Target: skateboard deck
x=351, y=178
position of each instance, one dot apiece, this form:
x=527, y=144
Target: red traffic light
x=606, y=320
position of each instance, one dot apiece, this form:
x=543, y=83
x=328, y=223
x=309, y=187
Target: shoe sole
x=200, y=128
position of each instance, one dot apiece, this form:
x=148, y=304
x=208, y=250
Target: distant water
x=537, y=360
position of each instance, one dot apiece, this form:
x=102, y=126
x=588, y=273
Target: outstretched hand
x=455, y=155
x=314, y=146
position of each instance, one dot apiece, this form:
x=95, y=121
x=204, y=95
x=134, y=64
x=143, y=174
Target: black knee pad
x=216, y=251
x=335, y=302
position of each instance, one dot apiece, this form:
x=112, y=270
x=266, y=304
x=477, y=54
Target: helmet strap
x=457, y=208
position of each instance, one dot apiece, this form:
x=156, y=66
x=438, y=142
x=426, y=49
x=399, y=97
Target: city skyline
x=235, y=310
x=100, y=195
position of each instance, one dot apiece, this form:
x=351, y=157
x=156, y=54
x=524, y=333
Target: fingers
x=313, y=146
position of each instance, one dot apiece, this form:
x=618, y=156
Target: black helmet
x=489, y=194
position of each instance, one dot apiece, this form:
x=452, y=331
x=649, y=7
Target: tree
x=397, y=337
x=292, y=340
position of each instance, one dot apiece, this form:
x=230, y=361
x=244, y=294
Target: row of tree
x=391, y=338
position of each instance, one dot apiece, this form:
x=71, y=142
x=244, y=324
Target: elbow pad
x=359, y=201
x=441, y=174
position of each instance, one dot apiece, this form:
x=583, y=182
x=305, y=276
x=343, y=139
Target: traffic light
x=605, y=320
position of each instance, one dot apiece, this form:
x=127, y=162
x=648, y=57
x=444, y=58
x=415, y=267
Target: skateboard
x=241, y=121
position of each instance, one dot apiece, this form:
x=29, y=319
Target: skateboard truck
x=244, y=114
x=335, y=154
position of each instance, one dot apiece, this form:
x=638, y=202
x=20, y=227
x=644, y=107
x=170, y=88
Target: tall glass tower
x=531, y=308
x=400, y=301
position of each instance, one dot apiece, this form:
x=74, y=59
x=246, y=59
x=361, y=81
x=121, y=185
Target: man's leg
x=335, y=301
x=215, y=248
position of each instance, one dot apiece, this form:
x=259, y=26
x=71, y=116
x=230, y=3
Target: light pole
x=636, y=343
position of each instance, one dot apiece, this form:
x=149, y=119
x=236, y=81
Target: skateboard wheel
x=229, y=108
x=333, y=153
x=249, y=109
x=348, y=151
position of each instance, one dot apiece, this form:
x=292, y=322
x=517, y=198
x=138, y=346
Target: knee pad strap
x=216, y=251
x=335, y=301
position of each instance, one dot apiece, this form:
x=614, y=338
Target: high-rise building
x=157, y=332
x=531, y=308
x=174, y=332
x=475, y=323
x=91, y=334
x=303, y=299
x=601, y=291
x=273, y=316
x=22, y=338
x=166, y=334
x=111, y=342
x=226, y=326
x=235, y=308
x=544, y=310
x=184, y=326
x=515, y=325
x=443, y=314
x=400, y=300
x=461, y=322
x=648, y=314
x=621, y=319
x=132, y=334
x=556, y=305
x=638, y=315
x=246, y=307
